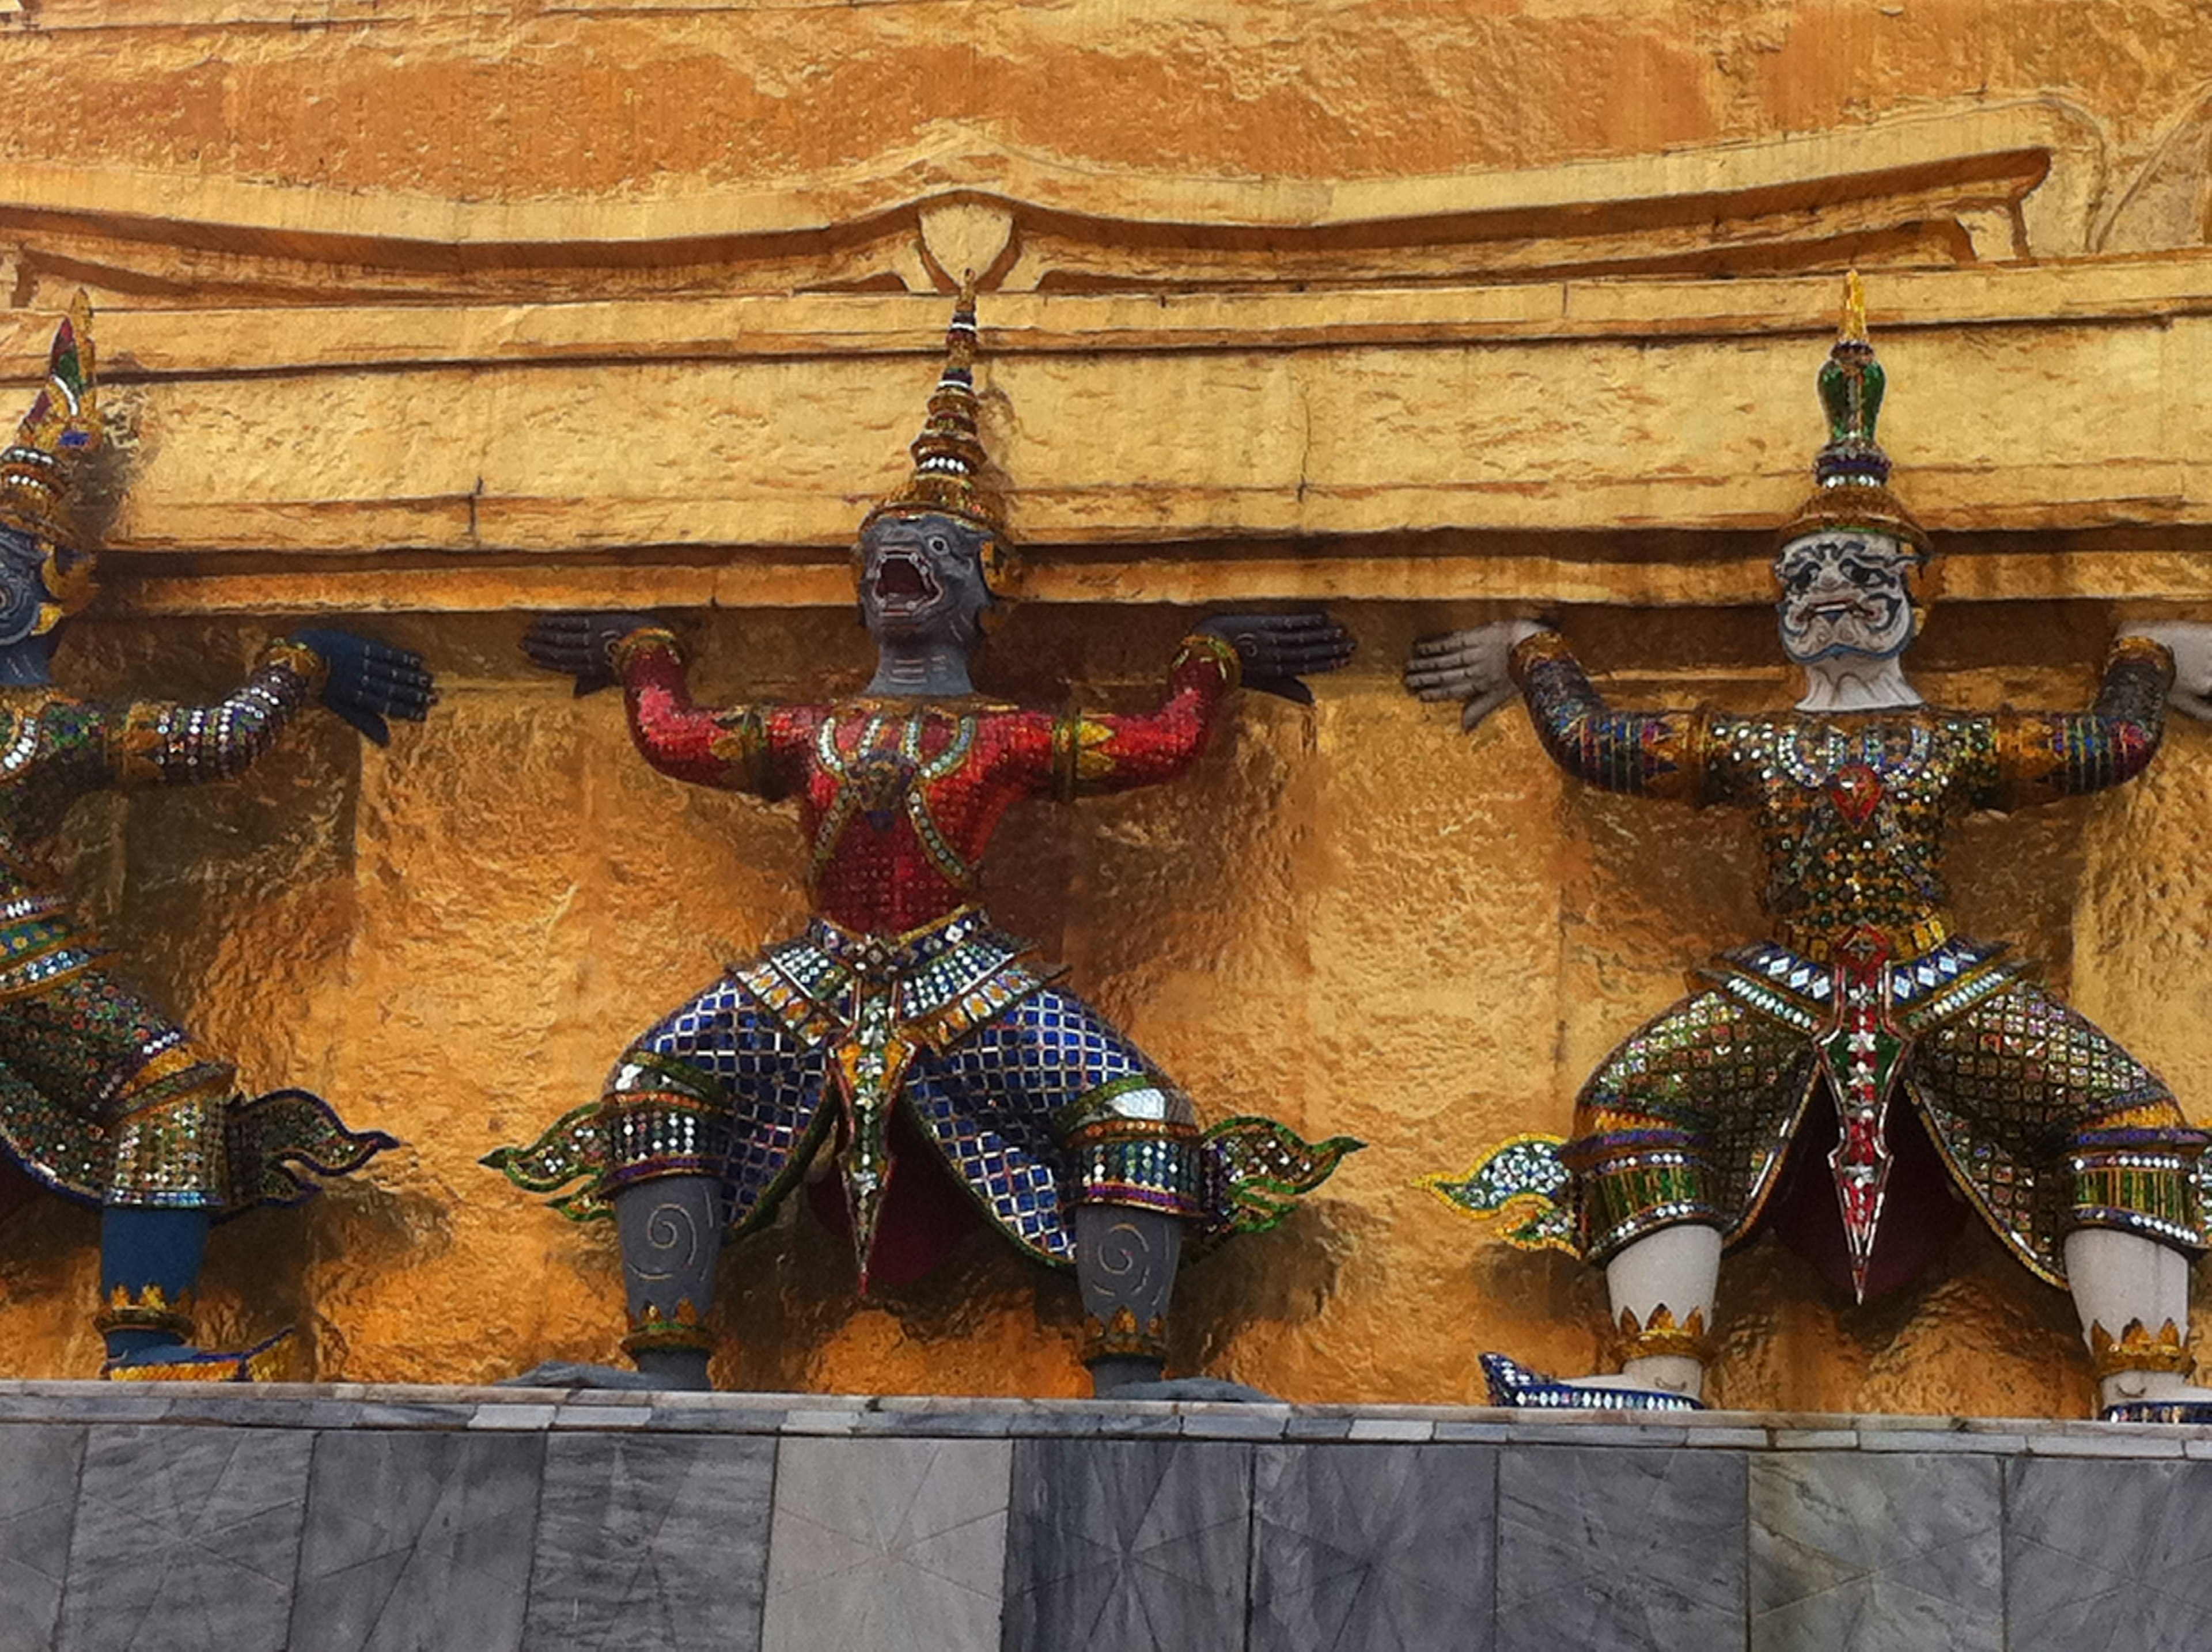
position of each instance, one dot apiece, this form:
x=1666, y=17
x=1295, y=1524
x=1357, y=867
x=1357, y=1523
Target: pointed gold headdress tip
x=1855, y=326
x=949, y=476
x=62, y=427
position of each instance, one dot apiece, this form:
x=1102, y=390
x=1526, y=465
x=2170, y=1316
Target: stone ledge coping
x=376, y=1405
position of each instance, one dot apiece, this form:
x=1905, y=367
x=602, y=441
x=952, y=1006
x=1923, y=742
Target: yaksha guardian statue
x=901, y=1028
x=1866, y=1052
x=102, y=1097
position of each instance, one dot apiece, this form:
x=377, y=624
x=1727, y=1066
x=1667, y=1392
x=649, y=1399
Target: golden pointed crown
x=62, y=427
x=948, y=477
x=1851, y=471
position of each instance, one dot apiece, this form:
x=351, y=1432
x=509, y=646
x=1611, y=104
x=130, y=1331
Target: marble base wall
x=348, y=1519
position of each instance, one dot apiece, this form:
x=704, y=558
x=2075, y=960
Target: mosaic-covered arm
x=1084, y=752
x=756, y=748
x=160, y=743
x=1657, y=754
x=2042, y=755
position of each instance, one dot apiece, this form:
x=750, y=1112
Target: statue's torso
x=899, y=804
x=1853, y=812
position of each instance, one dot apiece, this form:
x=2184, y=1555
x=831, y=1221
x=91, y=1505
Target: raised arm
x=2042, y=755
x=161, y=743
x=1092, y=752
x=736, y=749
x=1658, y=754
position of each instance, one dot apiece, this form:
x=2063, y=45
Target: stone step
x=312, y=1519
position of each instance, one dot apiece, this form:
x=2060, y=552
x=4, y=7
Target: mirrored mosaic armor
x=1864, y=1032
x=1865, y=993
x=102, y=1096
x=901, y=994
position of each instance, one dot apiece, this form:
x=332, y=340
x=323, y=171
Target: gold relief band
x=2029, y=761
x=627, y=649
x=1903, y=945
x=1661, y=1337
x=676, y=1333
x=2142, y=651
x=136, y=745
x=1080, y=757
x=149, y=1311
x=1122, y=1338
x=2136, y=1349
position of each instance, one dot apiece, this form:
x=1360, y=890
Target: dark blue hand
x=581, y=646
x=369, y=681
x=1277, y=650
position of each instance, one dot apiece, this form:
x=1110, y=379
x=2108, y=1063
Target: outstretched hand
x=1473, y=666
x=2190, y=644
x=367, y=681
x=581, y=646
x=1276, y=650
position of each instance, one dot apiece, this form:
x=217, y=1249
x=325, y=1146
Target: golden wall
x=426, y=315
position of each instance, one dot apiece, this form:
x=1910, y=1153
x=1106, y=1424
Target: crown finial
x=948, y=476
x=1854, y=307
x=1851, y=384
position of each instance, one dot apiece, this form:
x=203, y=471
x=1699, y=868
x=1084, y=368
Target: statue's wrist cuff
x=627, y=648
x=301, y=661
x=1535, y=650
x=1204, y=645
x=2141, y=650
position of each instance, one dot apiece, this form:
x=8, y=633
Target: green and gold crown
x=62, y=429
x=1850, y=471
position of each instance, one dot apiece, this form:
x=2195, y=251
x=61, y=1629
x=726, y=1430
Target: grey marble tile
x=650, y=1541
x=1373, y=1548
x=1128, y=1546
x=1606, y=1547
x=38, y=1464
x=1889, y=1552
x=2111, y=1556
x=186, y=1538
x=893, y=1544
x=417, y=1538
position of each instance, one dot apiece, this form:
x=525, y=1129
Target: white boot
x=2132, y=1293
x=1662, y=1288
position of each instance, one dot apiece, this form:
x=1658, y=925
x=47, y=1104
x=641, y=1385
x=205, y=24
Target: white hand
x=2190, y=644
x=1474, y=665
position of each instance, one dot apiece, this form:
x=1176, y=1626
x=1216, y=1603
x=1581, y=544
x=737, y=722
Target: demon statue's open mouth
x=903, y=585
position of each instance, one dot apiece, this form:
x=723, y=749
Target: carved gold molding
x=1954, y=183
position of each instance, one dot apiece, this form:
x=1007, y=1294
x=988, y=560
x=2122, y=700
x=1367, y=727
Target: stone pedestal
x=322, y=1519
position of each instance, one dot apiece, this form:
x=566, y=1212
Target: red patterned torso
x=899, y=798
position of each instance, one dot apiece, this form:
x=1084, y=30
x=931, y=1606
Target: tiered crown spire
x=1851, y=471
x=949, y=461
x=62, y=427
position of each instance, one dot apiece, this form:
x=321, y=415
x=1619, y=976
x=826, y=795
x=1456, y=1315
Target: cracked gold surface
x=1355, y=918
